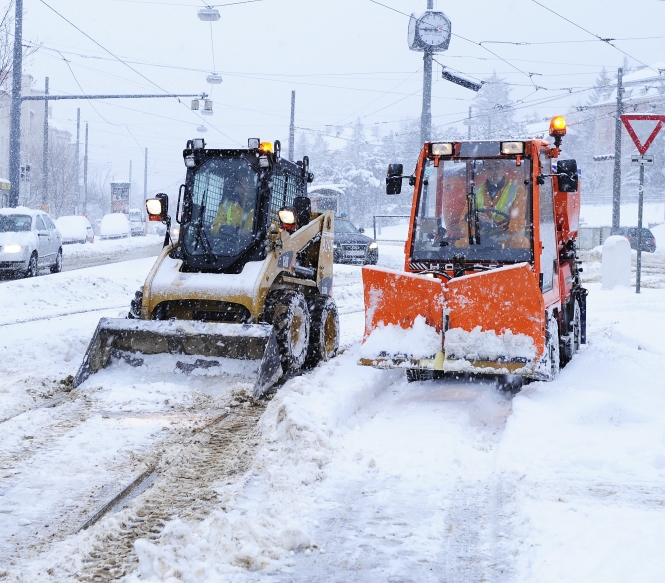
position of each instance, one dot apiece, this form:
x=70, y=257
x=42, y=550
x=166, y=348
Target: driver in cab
x=234, y=211
x=501, y=207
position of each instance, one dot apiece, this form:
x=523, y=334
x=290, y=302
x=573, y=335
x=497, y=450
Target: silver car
x=29, y=242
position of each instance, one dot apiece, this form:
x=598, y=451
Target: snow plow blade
x=397, y=300
x=489, y=322
x=127, y=339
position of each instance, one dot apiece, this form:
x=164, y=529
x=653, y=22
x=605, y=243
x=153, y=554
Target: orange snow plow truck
x=491, y=281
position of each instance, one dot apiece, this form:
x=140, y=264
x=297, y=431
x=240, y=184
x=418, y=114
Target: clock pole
x=426, y=115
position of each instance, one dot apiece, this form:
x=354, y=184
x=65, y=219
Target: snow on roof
x=320, y=188
x=21, y=210
x=640, y=84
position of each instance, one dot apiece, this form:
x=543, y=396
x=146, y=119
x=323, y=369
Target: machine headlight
x=373, y=245
x=12, y=248
x=287, y=216
x=153, y=206
x=264, y=162
x=190, y=162
x=512, y=147
x=442, y=149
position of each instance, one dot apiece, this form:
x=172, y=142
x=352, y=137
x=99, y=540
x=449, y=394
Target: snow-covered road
x=346, y=474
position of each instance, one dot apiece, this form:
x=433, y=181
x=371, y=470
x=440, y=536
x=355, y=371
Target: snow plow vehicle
x=491, y=283
x=246, y=286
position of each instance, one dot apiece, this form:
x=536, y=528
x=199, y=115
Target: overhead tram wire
x=465, y=39
x=605, y=40
x=130, y=67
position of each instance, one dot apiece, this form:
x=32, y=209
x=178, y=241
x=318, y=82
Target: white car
x=75, y=229
x=29, y=241
x=136, y=222
x=114, y=226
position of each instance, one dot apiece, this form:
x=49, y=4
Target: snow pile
x=488, y=345
x=419, y=341
x=73, y=228
x=265, y=520
x=616, y=262
x=112, y=248
x=587, y=456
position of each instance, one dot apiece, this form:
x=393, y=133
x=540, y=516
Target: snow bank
x=616, y=262
x=266, y=519
x=479, y=345
x=419, y=341
x=587, y=456
x=108, y=248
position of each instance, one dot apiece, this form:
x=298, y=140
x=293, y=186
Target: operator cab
x=229, y=201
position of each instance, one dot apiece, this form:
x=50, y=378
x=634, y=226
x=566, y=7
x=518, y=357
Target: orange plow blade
x=403, y=318
x=489, y=322
x=495, y=322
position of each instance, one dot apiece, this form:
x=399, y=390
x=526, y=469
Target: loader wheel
x=324, y=331
x=288, y=313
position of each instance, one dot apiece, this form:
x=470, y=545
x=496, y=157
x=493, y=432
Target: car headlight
x=374, y=245
x=12, y=248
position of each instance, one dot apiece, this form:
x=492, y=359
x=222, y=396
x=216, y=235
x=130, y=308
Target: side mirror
x=303, y=207
x=158, y=207
x=394, y=179
x=567, y=175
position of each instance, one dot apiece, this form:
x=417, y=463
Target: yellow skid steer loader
x=246, y=286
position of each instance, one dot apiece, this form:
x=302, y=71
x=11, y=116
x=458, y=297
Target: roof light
x=512, y=147
x=264, y=162
x=253, y=143
x=266, y=147
x=198, y=144
x=209, y=14
x=558, y=126
x=190, y=162
x=442, y=149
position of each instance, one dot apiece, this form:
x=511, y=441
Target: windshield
x=343, y=226
x=477, y=208
x=15, y=223
x=224, y=203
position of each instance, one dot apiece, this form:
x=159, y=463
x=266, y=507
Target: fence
x=377, y=228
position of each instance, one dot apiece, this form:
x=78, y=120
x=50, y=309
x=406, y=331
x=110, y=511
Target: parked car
x=351, y=246
x=648, y=240
x=29, y=241
x=136, y=222
x=75, y=229
x=114, y=226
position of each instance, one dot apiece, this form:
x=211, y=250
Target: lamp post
x=15, y=121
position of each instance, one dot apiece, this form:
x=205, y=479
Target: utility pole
x=426, y=116
x=45, y=151
x=469, y=122
x=616, y=183
x=292, y=127
x=145, y=177
x=130, y=183
x=85, y=172
x=15, y=121
x=77, y=162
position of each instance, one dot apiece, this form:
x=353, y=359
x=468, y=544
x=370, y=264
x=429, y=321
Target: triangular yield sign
x=643, y=129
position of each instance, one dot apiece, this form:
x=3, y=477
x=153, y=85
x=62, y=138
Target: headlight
x=190, y=162
x=287, y=216
x=12, y=248
x=512, y=147
x=442, y=149
x=374, y=245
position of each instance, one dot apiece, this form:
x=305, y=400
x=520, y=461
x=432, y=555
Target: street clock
x=429, y=31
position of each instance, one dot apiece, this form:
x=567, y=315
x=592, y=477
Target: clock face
x=434, y=29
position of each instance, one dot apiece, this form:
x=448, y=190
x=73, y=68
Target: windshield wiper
x=200, y=234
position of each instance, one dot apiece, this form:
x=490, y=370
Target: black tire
x=33, y=269
x=287, y=311
x=572, y=340
x=324, y=331
x=550, y=364
x=57, y=266
x=419, y=374
x=135, y=306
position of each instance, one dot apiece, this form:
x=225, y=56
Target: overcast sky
x=346, y=59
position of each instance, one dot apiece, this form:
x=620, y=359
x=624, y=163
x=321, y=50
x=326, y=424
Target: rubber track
x=184, y=487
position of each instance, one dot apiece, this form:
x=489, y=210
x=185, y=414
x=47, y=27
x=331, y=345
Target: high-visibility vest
x=504, y=203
